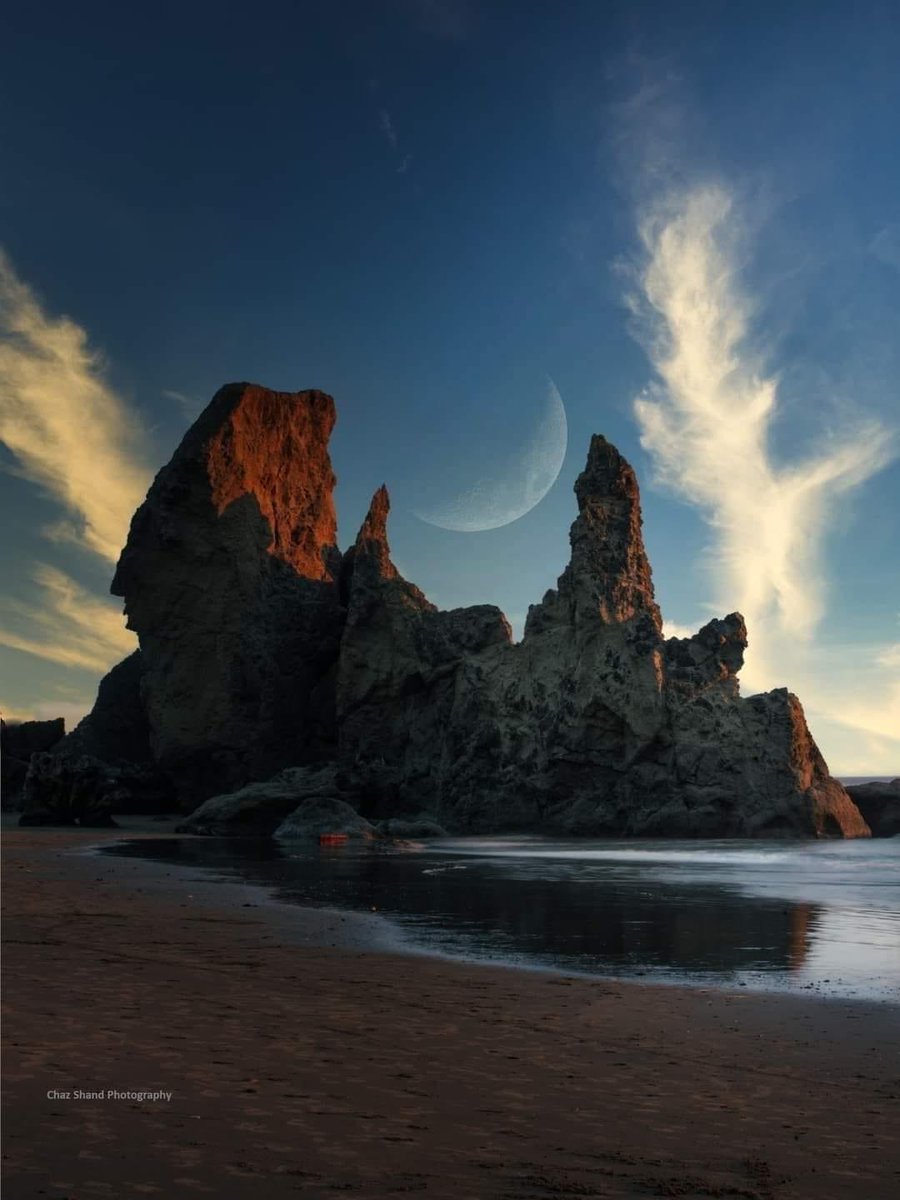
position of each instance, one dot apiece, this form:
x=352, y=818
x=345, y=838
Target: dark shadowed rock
x=229, y=578
x=879, y=803
x=266, y=655
x=713, y=655
x=116, y=729
x=111, y=747
x=67, y=791
x=594, y=724
x=17, y=744
x=259, y=808
x=31, y=737
x=323, y=814
x=411, y=827
x=400, y=659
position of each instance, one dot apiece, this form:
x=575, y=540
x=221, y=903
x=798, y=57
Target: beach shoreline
x=302, y=1057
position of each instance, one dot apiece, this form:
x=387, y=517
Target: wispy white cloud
x=386, y=125
x=190, y=406
x=68, y=430
x=707, y=423
x=67, y=625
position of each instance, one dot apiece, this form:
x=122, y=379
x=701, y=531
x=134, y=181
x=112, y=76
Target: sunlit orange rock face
x=274, y=446
x=229, y=577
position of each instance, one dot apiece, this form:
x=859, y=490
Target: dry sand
x=301, y=1070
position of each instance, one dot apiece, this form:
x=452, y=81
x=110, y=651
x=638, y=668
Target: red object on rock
x=332, y=839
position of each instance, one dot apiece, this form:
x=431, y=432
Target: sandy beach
x=301, y=1062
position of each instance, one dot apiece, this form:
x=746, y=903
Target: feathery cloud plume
x=69, y=431
x=707, y=424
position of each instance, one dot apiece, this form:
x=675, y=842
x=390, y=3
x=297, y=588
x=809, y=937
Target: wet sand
x=299, y=1067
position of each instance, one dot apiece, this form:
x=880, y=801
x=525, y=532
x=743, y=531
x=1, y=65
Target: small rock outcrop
x=62, y=790
x=324, y=814
x=258, y=809
x=18, y=742
x=879, y=803
x=266, y=655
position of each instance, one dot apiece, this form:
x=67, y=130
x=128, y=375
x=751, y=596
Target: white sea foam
x=587, y=853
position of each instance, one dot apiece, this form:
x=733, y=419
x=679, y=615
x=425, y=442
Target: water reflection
x=801, y=920
x=728, y=913
x=711, y=915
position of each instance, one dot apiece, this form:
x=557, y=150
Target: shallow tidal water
x=810, y=917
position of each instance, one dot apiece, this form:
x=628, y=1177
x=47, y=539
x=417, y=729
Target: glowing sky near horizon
x=686, y=216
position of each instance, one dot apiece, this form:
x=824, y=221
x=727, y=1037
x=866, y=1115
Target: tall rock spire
x=608, y=579
x=370, y=555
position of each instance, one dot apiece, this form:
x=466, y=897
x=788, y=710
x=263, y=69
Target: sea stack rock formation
x=594, y=724
x=267, y=655
x=229, y=577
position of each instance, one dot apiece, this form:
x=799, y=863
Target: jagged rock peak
x=608, y=576
x=269, y=446
x=715, y=654
x=372, y=541
x=367, y=564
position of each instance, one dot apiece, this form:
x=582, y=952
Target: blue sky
x=686, y=215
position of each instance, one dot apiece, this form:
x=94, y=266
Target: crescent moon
x=493, y=503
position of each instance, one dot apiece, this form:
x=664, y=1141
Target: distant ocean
x=852, y=780
x=817, y=917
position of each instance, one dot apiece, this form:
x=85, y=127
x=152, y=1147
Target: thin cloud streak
x=707, y=425
x=71, y=711
x=190, y=406
x=71, y=434
x=69, y=625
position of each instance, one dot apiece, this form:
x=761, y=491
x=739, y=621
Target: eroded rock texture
x=229, y=577
x=594, y=724
x=262, y=648
x=400, y=665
